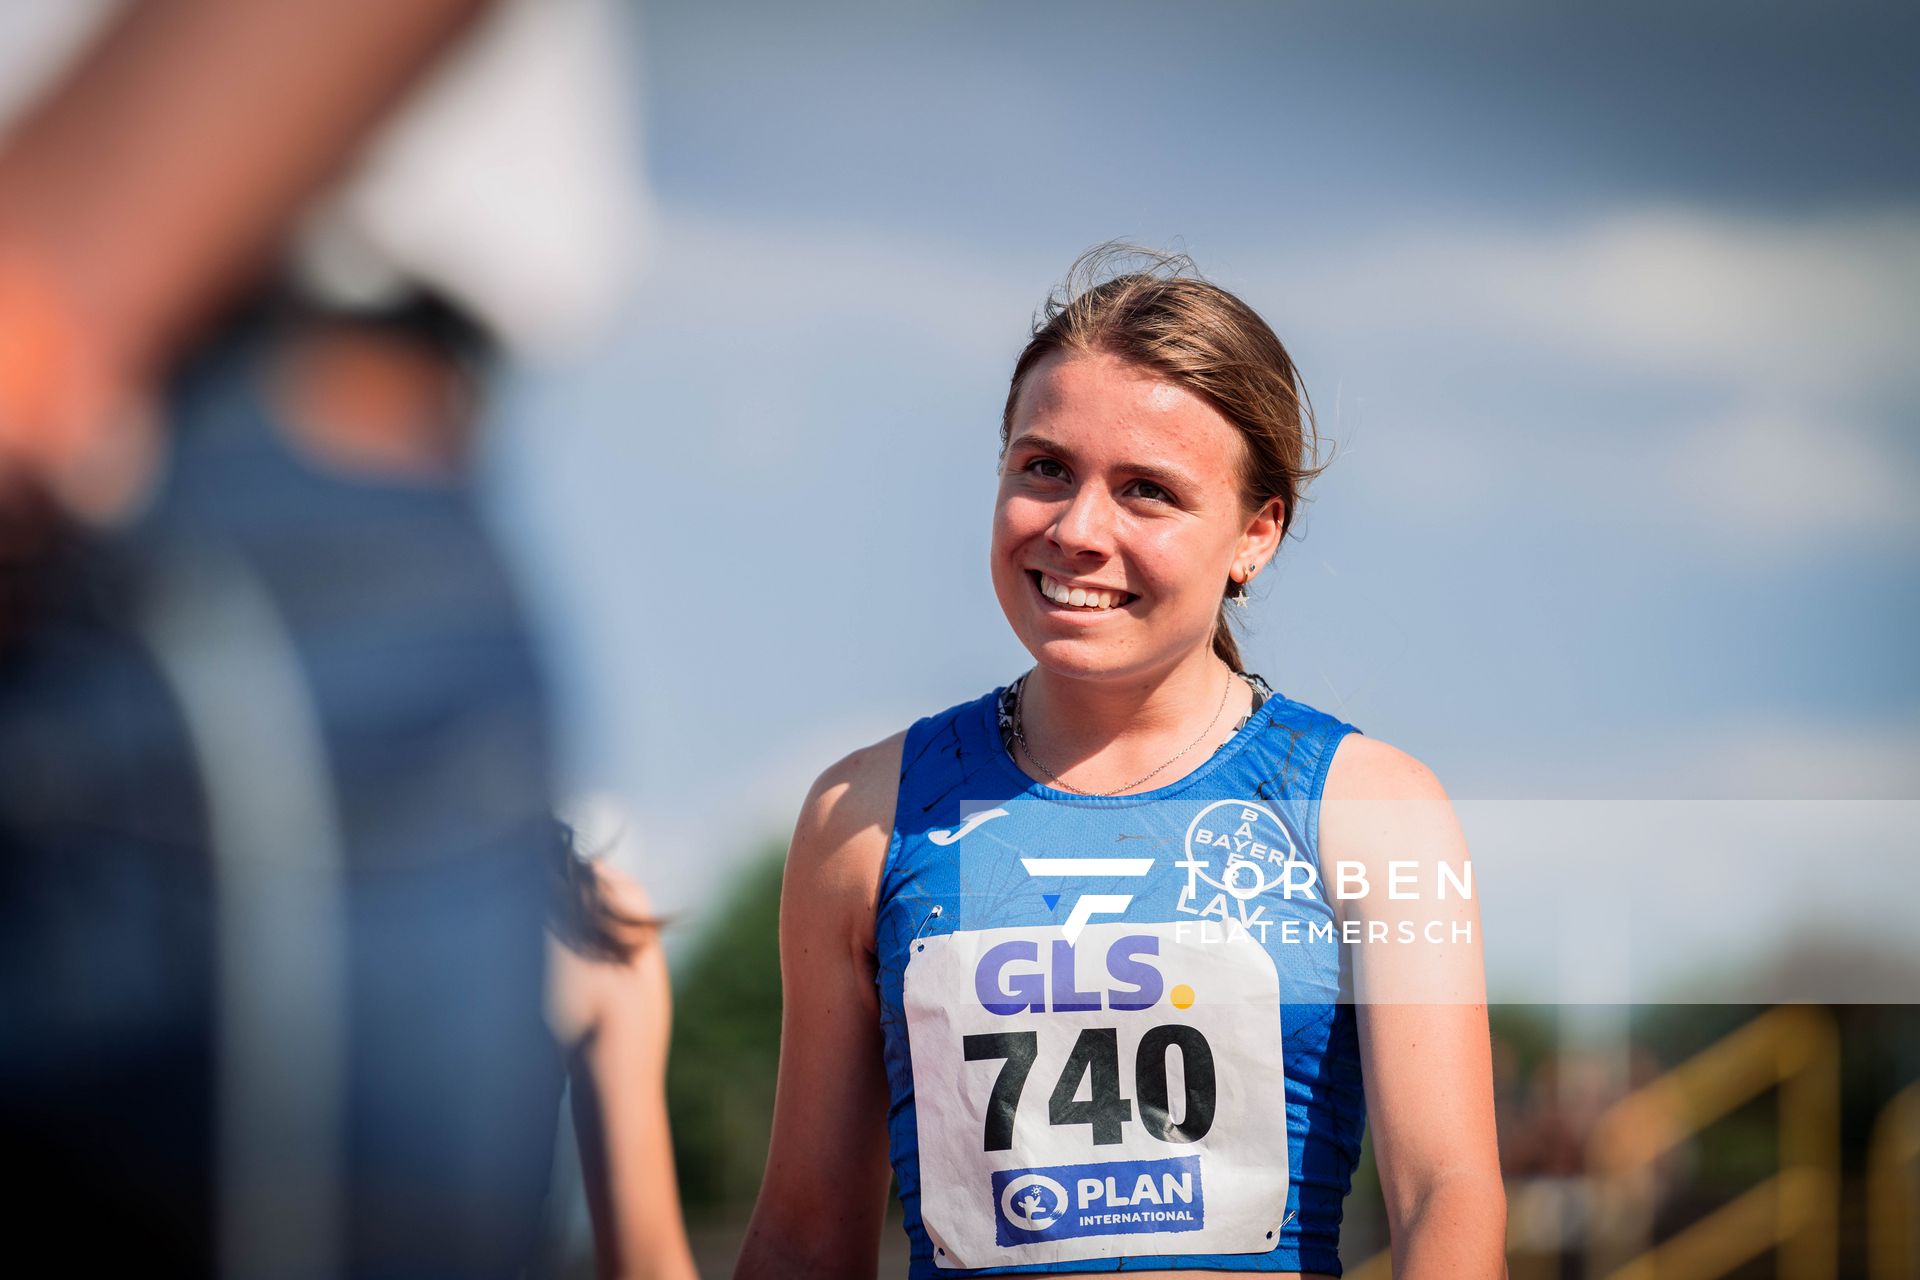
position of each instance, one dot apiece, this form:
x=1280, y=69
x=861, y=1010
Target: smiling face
x=1120, y=519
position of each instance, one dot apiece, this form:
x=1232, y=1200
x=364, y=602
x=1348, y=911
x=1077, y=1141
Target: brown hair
x=1154, y=310
x=579, y=914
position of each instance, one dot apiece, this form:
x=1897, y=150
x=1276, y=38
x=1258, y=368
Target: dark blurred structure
x=275, y=823
x=274, y=811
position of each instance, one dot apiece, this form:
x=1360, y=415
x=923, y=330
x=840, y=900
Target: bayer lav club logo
x=1116, y=1197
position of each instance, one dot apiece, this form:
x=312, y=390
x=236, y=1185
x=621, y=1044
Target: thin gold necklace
x=1020, y=736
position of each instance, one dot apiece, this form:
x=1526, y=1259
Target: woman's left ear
x=1261, y=542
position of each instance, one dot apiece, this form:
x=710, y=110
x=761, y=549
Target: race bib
x=1122, y=1095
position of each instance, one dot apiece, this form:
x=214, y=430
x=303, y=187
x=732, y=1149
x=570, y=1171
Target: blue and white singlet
x=1115, y=1031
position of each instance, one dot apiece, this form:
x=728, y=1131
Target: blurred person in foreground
x=1069, y=955
x=276, y=847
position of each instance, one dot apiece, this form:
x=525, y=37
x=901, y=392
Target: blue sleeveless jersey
x=1115, y=1031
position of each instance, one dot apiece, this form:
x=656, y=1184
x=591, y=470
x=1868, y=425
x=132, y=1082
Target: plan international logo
x=1115, y=1197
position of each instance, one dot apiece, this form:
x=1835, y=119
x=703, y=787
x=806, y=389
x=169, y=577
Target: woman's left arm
x=1420, y=993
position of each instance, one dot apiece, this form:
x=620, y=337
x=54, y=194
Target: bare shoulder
x=820, y=1206
x=1385, y=816
x=585, y=993
x=1368, y=769
x=856, y=792
x=626, y=896
x=840, y=840
x=1381, y=804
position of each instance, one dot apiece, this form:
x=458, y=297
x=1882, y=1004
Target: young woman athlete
x=1114, y=965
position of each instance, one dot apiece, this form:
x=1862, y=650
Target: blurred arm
x=824, y=1196
x=618, y=1015
x=1424, y=1045
x=167, y=168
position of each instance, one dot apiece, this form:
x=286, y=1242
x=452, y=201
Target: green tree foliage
x=726, y=1044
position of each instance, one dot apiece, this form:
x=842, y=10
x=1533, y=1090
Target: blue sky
x=1609, y=314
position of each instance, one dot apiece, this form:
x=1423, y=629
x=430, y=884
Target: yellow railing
x=1893, y=1189
x=1794, y=1048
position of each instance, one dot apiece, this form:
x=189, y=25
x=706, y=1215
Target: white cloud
x=1797, y=757
x=754, y=276
x=1780, y=305
x=1758, y=754
x=1784, y=346
x=1776, y=310
x=1776, y=476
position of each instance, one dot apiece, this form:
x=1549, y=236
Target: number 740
x=1096, y=1059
